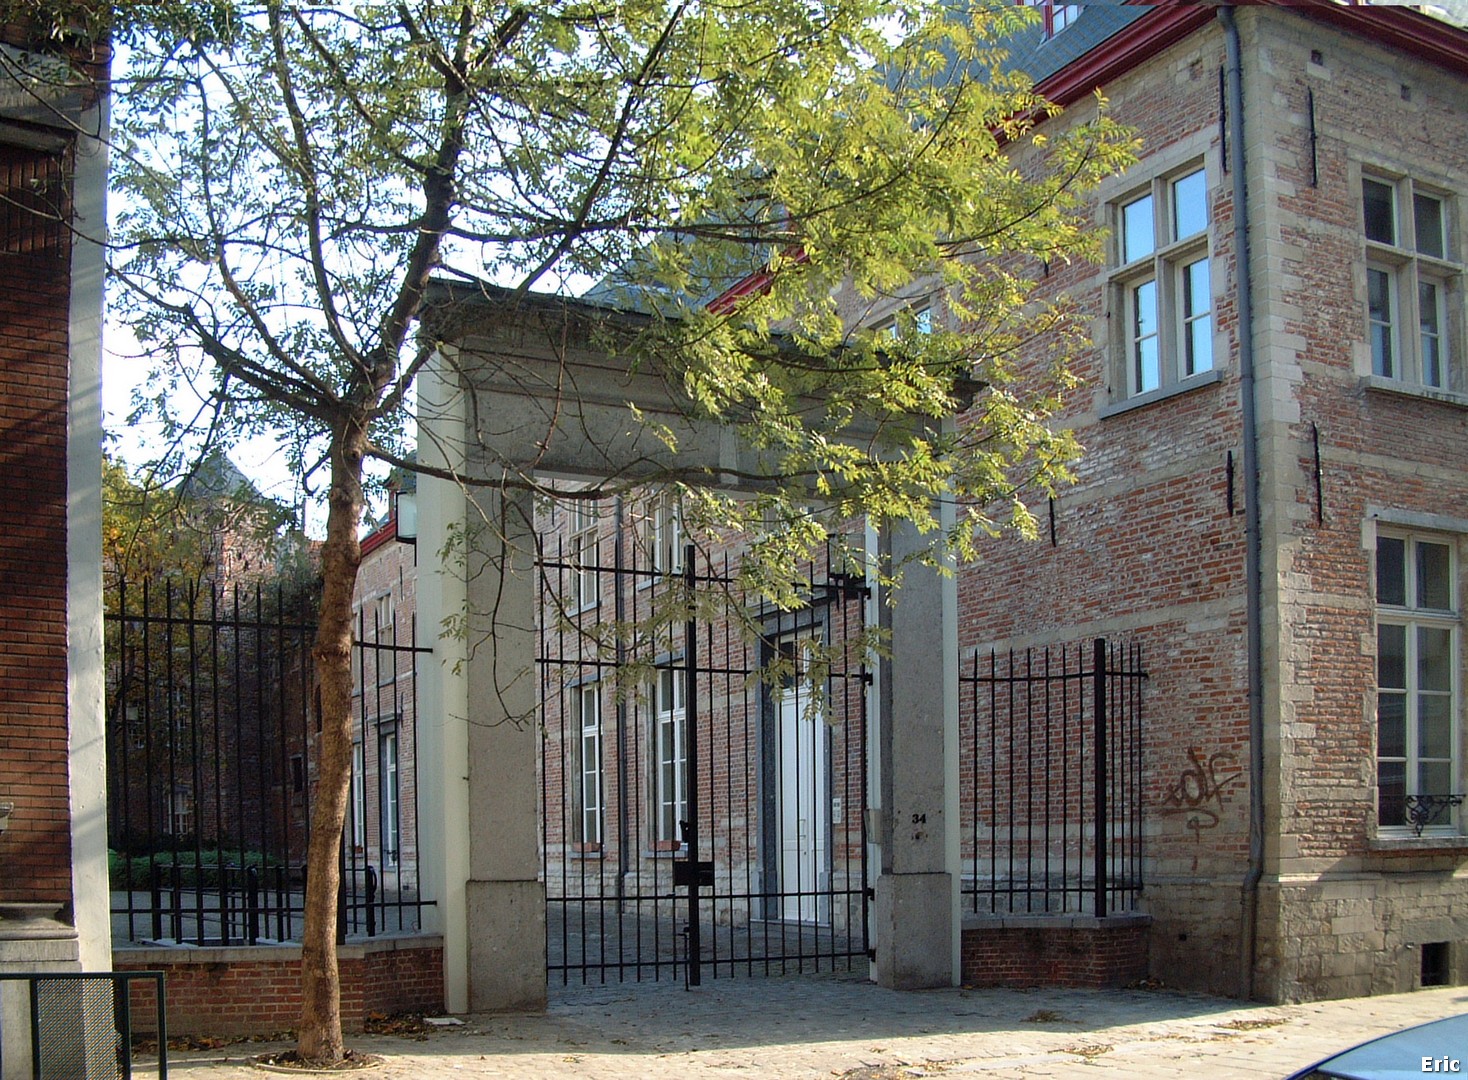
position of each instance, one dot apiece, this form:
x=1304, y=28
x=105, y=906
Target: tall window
x=1417, y=630
x=1409, y=276
x=671, y=786
x=359, y=797
x=384, y=626
x=181, y=811
x=1162, y=282
x=589, y=812
x=387, y=764
x=663, y=533
x=583, y=552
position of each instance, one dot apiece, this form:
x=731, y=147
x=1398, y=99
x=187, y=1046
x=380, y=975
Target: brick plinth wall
x=257, y=990
x=1070, y=951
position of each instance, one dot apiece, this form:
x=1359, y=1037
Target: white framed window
x=590, y=796
x=1056, y=16
x=181, y=811
x=662, y=534
x=584, y=529
x=1411, y=281
x=670, y=787
x=359, y=797
x=389, y=807
x=1417, y=675
x=1161, y=282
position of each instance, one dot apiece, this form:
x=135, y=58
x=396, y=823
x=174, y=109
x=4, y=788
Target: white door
x=804, y=802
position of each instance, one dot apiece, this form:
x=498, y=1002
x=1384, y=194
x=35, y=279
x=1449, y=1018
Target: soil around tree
x=288, y=1061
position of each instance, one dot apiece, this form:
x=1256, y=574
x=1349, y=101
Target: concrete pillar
x=917, y=913
x=443, y=700
x=505, y=898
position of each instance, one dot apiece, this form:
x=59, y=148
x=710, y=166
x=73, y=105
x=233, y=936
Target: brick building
x=1271, y=509
x=53, y=902
x=1274, y=516
x=382, y=827
x=1282, y=297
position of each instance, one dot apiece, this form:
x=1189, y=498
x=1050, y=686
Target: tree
x=180, y=529
x=291, y=178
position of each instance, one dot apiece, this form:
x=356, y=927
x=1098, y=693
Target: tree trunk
x=320, y=1036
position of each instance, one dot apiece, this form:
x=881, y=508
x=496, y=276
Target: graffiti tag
x=1198, y=793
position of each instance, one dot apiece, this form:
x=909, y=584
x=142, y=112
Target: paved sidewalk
x=842, y=1027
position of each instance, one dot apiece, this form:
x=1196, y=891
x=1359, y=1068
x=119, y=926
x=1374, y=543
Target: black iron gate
x=211, y=766
x=703, y=786
x=1051, y=787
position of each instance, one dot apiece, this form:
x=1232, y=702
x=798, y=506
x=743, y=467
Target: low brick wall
x=1067, y=950
x=257, y=990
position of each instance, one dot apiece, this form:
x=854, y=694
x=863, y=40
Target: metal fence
x=703, y=769
x=212, y=739
x=81, y=1024
x=1052, y=779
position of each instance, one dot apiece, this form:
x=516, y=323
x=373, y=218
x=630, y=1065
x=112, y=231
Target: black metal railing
x=212, y=743
x=1052, y=779
x=1422, y=811
x=81, y=1023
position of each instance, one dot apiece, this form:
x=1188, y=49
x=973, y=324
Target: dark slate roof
x=1031, y=53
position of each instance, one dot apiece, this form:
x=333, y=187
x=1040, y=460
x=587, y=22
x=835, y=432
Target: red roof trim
x=750, y=285
x=1153, y=32
x=375, y=539
x=1421, y=36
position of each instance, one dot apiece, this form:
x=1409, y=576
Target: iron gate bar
x=690, y=735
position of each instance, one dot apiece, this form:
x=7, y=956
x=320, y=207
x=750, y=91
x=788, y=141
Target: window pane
x=1436, y=778
x=1391, y=725
x=1391, y=570
x=1148, y=369
x=1435, y=725
x=1434, y=587
x=1189, y=205
x=1430, y=318
x=1377, y=199
x=1379, y=304
x=1200, y=345
x=1198, y=296
x=1391, y=657
x=1427, y=216
x=1137, y=236
x=1434, y=662
x=1391, y=805
x=1197, y=303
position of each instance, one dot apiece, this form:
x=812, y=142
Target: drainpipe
x=1253, y=579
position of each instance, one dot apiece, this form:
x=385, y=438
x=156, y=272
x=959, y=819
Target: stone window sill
x=1413, y=390
x=1438, y=844
x=1162, y=393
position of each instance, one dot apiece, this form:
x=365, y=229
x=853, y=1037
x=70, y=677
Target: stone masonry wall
x=1348, y=905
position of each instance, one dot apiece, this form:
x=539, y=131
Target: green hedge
x=195, y=871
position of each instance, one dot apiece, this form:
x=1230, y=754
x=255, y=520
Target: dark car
x=1436, y=1049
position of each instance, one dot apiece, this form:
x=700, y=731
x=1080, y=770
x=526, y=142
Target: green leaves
x=289, y=178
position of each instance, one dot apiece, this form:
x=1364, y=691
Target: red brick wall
x=35, y=263
x=230, y=992
x=1059, y=955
